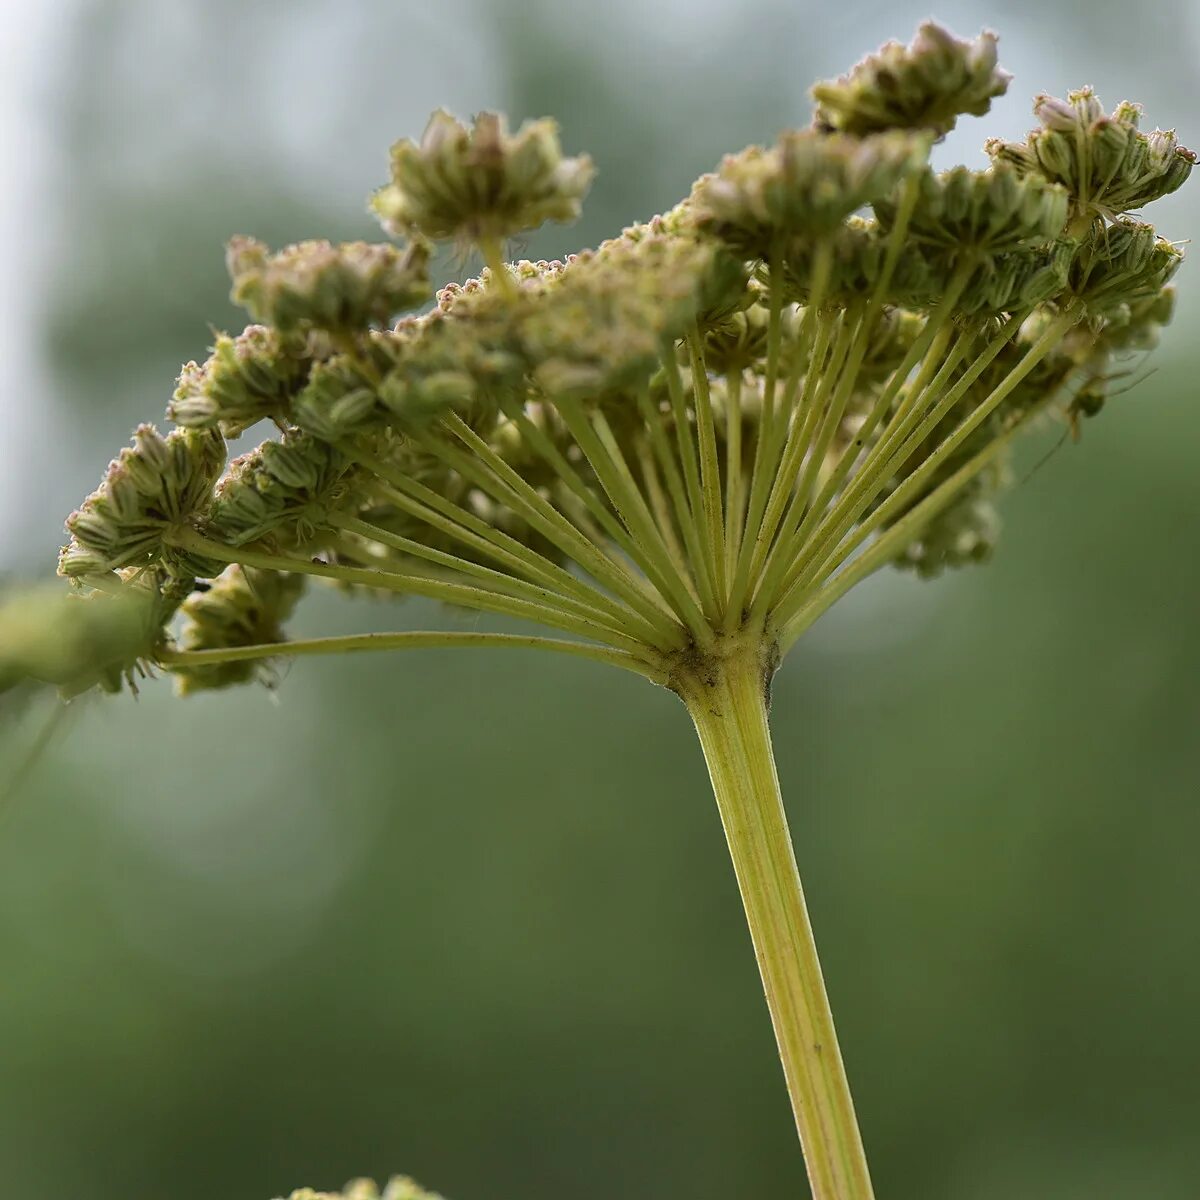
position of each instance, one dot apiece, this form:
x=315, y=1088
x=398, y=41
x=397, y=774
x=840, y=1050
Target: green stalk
x=710, y=469
x=728, y=705
x=707, y=573
x=734, y=502
x=812, y=566
x=408, y=640
x=480, y=599
x=592, y=503
x=485, y=468
x=891, y=542
x=498, y=580
x=492, y=249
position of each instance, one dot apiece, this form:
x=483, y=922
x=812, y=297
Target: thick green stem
x=728, y=704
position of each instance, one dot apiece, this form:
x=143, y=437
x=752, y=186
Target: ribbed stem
x=727, y=702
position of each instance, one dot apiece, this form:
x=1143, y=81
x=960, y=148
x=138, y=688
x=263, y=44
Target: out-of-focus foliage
x=248, y=943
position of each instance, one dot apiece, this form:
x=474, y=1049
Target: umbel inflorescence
x=714, y=423
x=672, y=453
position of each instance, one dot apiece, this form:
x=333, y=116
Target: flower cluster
x=340, y=289
x=926, y=85
x=76, y=642
x=1108, y=165
x=246, y=379
x=708, y=427
x=243, y=607
x=152, y=489
x=481, y=182
x=805, y=186
x=399, y=1188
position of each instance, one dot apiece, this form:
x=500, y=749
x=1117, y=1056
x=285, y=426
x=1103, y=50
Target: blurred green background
x=468, y=915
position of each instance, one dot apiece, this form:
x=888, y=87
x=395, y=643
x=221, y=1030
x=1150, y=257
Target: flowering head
x=243, y=607
x=314, y=284
x=154, y=487
x=399, y=1188
x=701, y=432
x=246, y=379
x=804, y=186
x=1106, y=163
x=927, y=85
x=481, y=182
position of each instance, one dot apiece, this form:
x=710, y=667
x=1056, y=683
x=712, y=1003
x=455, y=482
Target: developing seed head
x=157, y=485
x=719, y=277
x=481, y=182
x=339, y=399
x=1019, y=280
x=926, y=85
x=962, y=534
x=246, y=379
x=739, y=342
x=601, y=325
x=1122, y=264
x=1106, y=163
x=1137, y=324
x=284, y=489
x=342, y=289
x=75, y=640
x=243, y=607
x=986, y=212
x=804, y=186
x=859, y=248
x=463, y=356
x=399, y=1188
x=600, y=392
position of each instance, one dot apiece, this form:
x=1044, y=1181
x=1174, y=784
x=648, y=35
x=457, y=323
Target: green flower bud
x=420, y=396
x=245, y=380
x=1137, y=325
x=156, y=485
x=805, y=186
x=720, y=277
x=342, y=289
x=926, y=85
x=285, y=489
x=464, y=355
x=243, y=607
x=481, y=182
